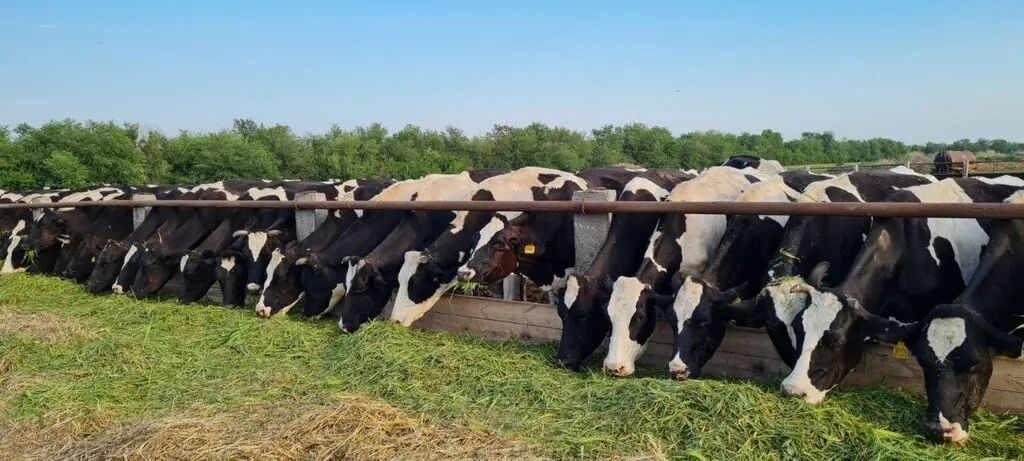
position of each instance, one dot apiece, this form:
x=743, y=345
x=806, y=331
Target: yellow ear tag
x=529, y=249
x=900, y=351
x=93, y=259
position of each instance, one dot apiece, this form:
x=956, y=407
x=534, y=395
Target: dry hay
x=44, y=326
x=351, y=428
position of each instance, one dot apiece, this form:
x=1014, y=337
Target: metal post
x=967, y=168
x=306, y=221
x=590, y=230
x=512, y=288
x=856, y=167
x=37, y=213
x=139, y=214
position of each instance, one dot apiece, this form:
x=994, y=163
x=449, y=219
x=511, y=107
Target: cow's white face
x=418, y=289
x=626, y=344
x=261, y=308
x=816, y=321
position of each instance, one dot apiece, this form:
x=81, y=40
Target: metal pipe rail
x=855, y=209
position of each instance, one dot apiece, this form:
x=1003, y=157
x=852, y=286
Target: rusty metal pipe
x=876, y=209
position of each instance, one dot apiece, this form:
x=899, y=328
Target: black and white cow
x=698, y=313
x=905, y=268
x=425, y=275
x=548, y=236
x=955, y=342
x=284, y=282
x=56, y=229
x=682, y=244
x=370, y=280
x=807, y=240
x=580, y=304
x=323, y=275
x=14, y=227
x=769, y=167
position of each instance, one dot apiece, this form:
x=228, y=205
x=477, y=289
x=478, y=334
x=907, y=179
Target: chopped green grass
x=146, y=360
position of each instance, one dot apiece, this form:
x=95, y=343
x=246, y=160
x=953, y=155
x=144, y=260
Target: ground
x=86, y=377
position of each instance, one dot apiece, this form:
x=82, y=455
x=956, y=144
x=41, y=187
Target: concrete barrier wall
x=745, y=354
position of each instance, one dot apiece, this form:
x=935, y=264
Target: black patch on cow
x=545, y=178
x=752, y=179
x=836, y=194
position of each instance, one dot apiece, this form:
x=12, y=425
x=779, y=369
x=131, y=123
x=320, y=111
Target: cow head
x=421, y=282
x=367, y=293
x=83, y=260
x=256, y=254
x=584, y=320
x=157, y=266
x=12, y=254
x=231, y=275
x=954, y=346
x=198, y=272
x=129, y=267
x=49, y=231
x=631, y=311
x=698, y=314
x=290, y=285
x=502, y=255
x=324, y=284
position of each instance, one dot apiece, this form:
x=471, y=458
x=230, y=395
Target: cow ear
x=300, y=262
x=887, y=331
x=746, y=312
x=240, y=233
x=818, y=274
x=274, y=232
x=1002, y=343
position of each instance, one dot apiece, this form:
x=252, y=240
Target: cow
x=111, y=224
x=283, y=285
x=425, y=275
x=955, y=342
x=768, y=167
x=549, y=235
x=323, y=275
x=620, y=254
x=371, y=279
x=682, y=244
x=696, y=312
x=807, y=240
x=55, y=229
x=905, y=267
x=14, y=227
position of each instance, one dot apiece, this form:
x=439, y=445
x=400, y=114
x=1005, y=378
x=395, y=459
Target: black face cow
x=907, y=266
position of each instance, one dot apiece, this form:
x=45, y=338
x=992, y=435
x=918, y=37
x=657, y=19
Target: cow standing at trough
x=682, y=244
x=906, y=267
x=807, y=240
x=620, y=254
x=57, y=232
x=955, y=342
x=697, y=313
x=323, y=275
x=370, y=280
x=14, y=227
x=425, y=275
x=284, y=282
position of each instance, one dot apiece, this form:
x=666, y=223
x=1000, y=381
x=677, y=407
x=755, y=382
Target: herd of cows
x=822, y=287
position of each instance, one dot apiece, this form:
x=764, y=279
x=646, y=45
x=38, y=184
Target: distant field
x=85, y=377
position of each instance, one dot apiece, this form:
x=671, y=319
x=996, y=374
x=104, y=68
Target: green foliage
x=68, y=153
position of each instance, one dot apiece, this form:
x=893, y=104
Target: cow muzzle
x=466, y=275
x=263, y=312
x=253, y=288
x=678, y=370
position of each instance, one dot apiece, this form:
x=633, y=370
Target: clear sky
x=914, y=70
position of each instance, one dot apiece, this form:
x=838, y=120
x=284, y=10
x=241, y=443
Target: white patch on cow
x=686, y=301
x=219, y=185
x=404, y=310
x=116, y=287
x=352, y=185
x=952, y=431
x=649, y=253
x=558, y=282
x=623, y=351
x=817, y=319
x=816, y=192
x=256, y=193
x=337, y=294
x=462, y=256
x=966, y=236
x=1005, y=180
x=572, y=291
x=8, y=266
x=255, y=242
x=772, y=190
x=228, y=263
x=770, y=167
x=787, y=305
x=908, y=171
x=643, y=184
x=275, y=260
x=350, y=274
x=181, y=265
x=945, y=335
x=493, y=227
x=93, y=195
x=1017, y=197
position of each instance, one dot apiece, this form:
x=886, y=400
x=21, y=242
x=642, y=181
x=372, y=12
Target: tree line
x=70, y=153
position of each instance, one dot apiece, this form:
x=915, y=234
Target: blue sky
x=913, y=70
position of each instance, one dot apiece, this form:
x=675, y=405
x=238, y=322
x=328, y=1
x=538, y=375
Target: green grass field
x=84, y=377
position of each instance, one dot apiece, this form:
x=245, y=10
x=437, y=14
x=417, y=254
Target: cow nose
x=263, y=311
x=617, y=370
x=790, y=390
x=117, y=289
x=253, y=288
x=678, y=370
x=467, y=275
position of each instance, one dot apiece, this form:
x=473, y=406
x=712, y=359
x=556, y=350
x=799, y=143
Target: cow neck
x=877, y=265
x=992, y=291
x=622, y=252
